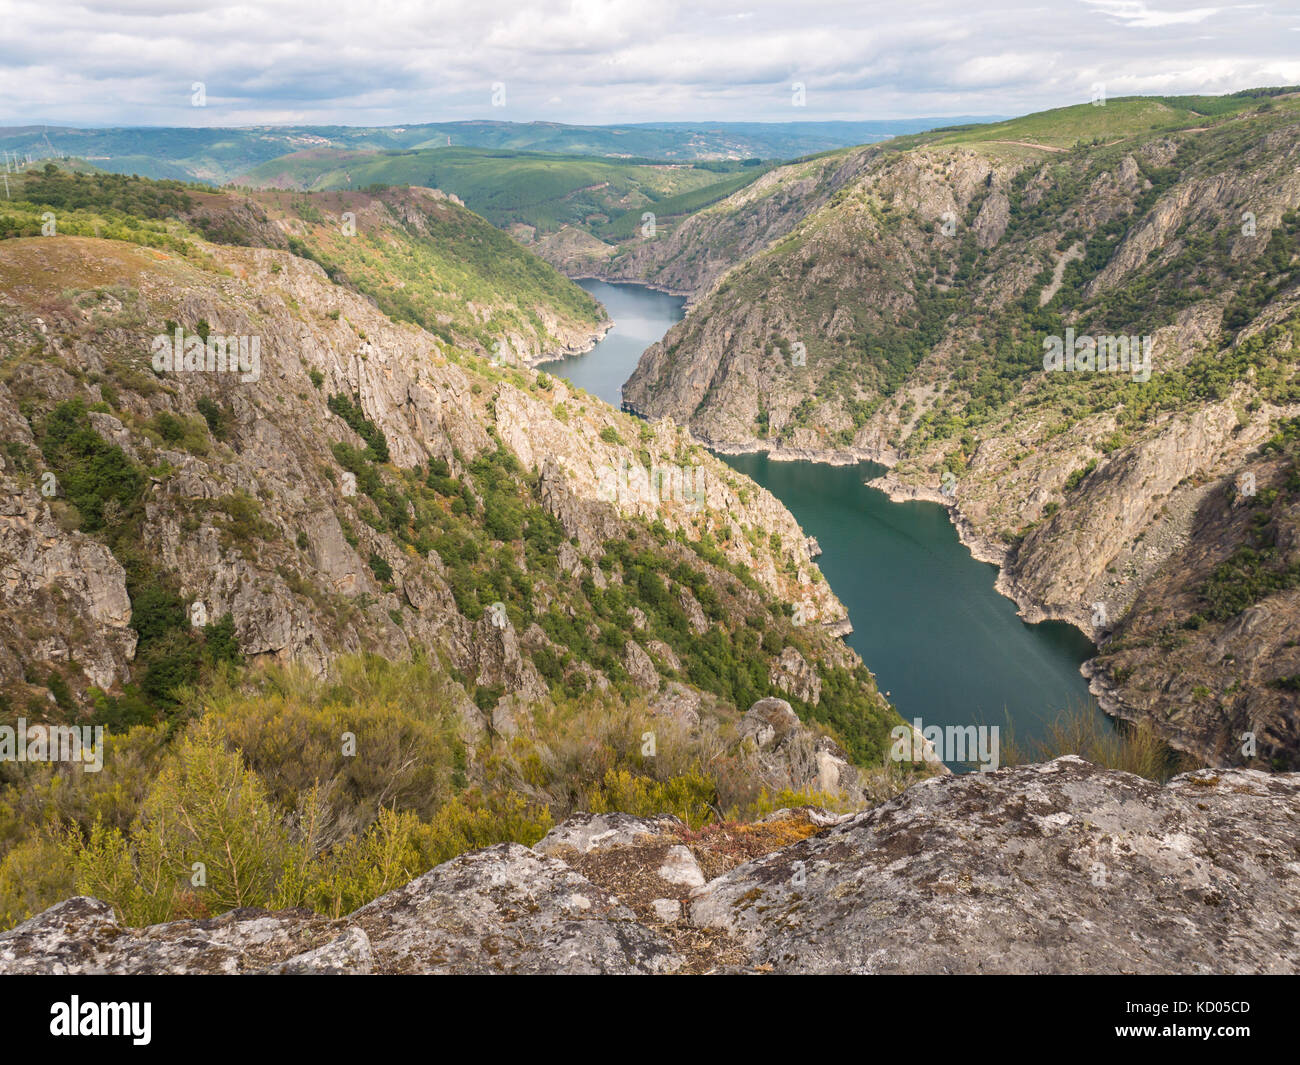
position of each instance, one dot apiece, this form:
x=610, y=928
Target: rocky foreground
x=1055, y=868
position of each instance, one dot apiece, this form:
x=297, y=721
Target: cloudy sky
x=364, y=62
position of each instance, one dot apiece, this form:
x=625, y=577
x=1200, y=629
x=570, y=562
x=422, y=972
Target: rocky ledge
x=1055, y=868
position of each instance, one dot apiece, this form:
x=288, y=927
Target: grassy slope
x=423, y=260
x=545, y=191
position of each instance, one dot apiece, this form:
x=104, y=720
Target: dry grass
x=1136, y=749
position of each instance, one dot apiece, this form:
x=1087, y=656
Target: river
x=926, y=618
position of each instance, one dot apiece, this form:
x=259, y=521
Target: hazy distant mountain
x=216, y=154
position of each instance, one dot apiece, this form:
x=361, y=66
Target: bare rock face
x=678, y=703
x=794, y=676
x=497, y=660
x=83, y=937
x=589, y=832
x=1055, y=868
x=54, y=580
x=690, y=257
x=791, y=755
x=505, y=909
x=769, y=721
x=349, y=954
x=640, y=667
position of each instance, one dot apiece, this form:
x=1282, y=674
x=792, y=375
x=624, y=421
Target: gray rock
x=791, y=755
x=81, y=936
x=348, y=954
x=679, y=703
x=588, y=832
x=667, y=910
x=680, y=867
x=664, y=655
x=1055, y=868
x=796, y=677
x=508, y=909
x=768, y=722
x=505, y=909
x=640, y=667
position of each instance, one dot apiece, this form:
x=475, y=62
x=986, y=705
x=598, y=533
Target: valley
x=899, y=569
x=583, y=531
x=893, y=303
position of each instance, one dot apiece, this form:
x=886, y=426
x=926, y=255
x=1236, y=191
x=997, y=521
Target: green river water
x=926, y=618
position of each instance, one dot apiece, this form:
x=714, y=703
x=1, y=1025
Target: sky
x=288, y=62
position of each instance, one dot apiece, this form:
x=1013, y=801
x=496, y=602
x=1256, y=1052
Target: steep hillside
x=565, y=580
x=530, y=193
x=416, y=253
x=906, y=319
x=684, y=255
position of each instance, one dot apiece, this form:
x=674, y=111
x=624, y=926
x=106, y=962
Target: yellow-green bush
x=47, y=794
x=34, y=875
x=397, y=753
x=251, y=786
x=399, y=847
x=206, y=827
x=689, y=796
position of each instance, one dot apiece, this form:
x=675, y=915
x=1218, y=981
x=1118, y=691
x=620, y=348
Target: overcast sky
x=606, y=61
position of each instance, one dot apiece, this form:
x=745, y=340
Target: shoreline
x=573, y=350
x=981, y=548
x=680, y=293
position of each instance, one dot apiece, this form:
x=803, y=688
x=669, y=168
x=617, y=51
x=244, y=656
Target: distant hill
x=216, y=155
x=511, y=188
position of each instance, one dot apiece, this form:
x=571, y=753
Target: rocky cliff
x=230, y=475
x=687, y=257
x=262, y=519
x=906, y=318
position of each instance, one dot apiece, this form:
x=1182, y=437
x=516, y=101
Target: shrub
x=690, y=796
x=382, y=570
x=214, y=416
x=96, y=476
x=206, y=827
x=352, y=414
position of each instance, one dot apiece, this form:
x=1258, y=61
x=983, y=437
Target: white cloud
x=604, y=61
x=1135, y=13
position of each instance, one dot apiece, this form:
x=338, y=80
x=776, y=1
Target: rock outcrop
x=506, y=909
x=793, y=756
x=1054, y=868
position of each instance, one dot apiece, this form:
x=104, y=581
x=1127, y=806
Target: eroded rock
x=1055, y=868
